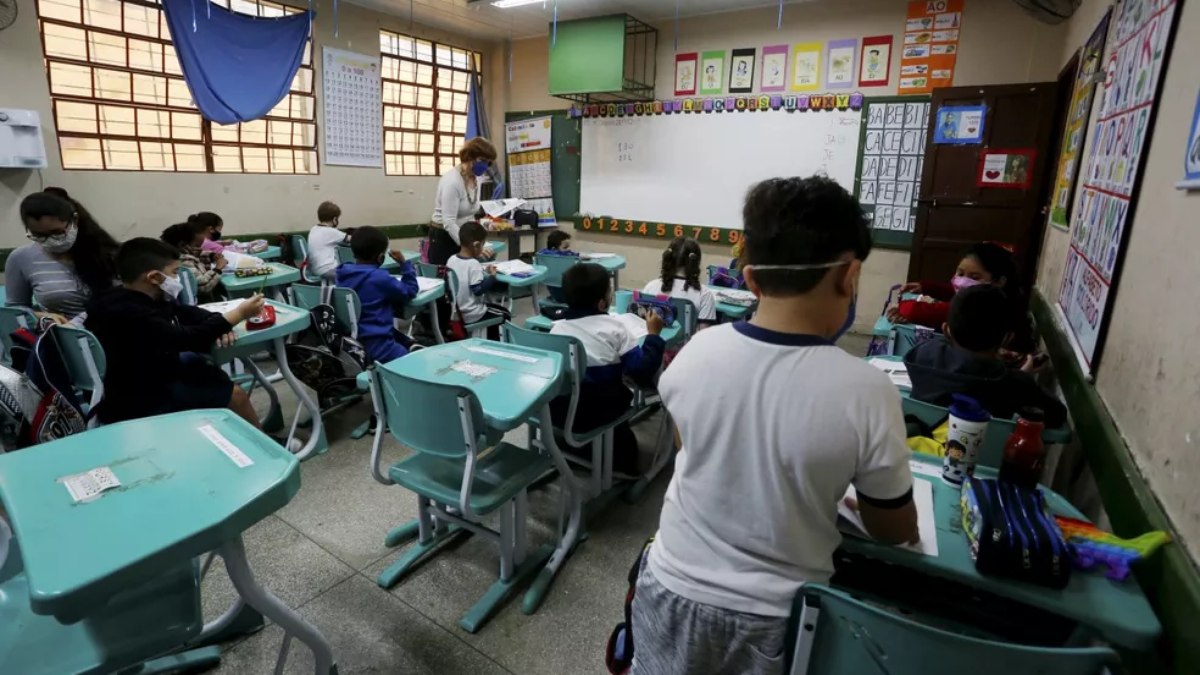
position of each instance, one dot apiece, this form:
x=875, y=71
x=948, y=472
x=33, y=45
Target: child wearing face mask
x=982, y=263
x=383, y=296
x=155, y=347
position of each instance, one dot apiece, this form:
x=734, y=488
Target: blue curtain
x=477, y=125
x=237, y=67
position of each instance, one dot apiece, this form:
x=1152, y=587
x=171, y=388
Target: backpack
x=618, y=654
x=659, y=304
x=726, y=277
x=327, y=361
x=40, y=404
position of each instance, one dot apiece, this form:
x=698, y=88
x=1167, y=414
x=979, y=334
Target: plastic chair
x=13, y=319
x=191, y=289
x=84, y=360
x=457, y=480
x=344, y=254
x=427, y=270
x=601, y=438
x=687, y=316
x=346, y=305
x=556, y=266
x=475, y=328
x=998, y=430
x=831, y=633
x=300, y=253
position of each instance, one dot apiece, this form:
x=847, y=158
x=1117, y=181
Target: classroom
x=370, y=336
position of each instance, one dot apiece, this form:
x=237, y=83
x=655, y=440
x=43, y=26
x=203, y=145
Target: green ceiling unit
x=605, y=59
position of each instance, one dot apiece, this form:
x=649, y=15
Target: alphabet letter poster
x=892, y=156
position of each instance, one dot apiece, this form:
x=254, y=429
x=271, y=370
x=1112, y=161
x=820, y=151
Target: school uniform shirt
x=703, y=299
x=612, y=350
x=381, y=295
x=473, y=282
x=322, y=248
x=775, y=427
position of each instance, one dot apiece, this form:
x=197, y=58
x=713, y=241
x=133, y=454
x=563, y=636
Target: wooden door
x=954, y=211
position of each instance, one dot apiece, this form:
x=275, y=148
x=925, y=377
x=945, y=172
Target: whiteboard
x=695, y=169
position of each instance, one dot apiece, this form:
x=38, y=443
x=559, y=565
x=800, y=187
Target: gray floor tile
x=284, y=562
x=370, y=632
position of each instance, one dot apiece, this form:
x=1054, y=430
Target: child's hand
x=488, y=253
x=1034, y=363
x=226, y=340
x=893, y=315
x=911, y=287
x=58, y=319
x=491, y=270
x=220, y=263
x=250, y=307
x=397, y=256
x=654, y=323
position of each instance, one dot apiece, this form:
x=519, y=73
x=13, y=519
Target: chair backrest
x=686, y=315
x=190, y=287
x=831, y=633
x=444, y=423
x=555, y=266
x=344, y=254
x=574, y=356
x=347, y=308
x=11, y=320
x=427, y=270
x=908, y=336
x=84, y=360
x=998, y=430
x=300, y=253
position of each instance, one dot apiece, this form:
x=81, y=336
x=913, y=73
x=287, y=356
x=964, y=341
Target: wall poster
x=806, y=66
x=353, y=99
x=875, y=64
x=529, y=147
x=685, y=74
x=930, y=48
x=741, y=71
x=891, y=159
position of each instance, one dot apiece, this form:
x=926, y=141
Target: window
x=120, y=102
x=425, y=91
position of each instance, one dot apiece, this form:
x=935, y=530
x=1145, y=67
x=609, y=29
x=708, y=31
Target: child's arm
x=481, y=281
x=641, y=362
x=931, y=314
x=399, y=290
x=197, y=329
x=883, y=479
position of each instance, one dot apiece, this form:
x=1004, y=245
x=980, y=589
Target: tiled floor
x=322, y=552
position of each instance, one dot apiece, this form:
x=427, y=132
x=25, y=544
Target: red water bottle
x=1024, y=453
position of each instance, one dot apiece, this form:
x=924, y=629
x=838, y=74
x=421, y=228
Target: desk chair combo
x=85, y=362
x=556, y=266
x=300, y=257
x=13, y=319
x=474, y=328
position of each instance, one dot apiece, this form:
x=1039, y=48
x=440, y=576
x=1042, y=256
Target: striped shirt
x=30, y=274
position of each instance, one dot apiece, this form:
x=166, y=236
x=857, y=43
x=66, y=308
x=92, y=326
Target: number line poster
x=893, y=155
x=1102, y=213
x=352, y=92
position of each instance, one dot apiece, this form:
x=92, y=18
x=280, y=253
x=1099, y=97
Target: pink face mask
x=960, y=283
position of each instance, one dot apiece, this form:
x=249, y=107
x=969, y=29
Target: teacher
x=457, y=199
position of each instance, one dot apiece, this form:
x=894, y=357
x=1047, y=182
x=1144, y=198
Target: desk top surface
x=280, y=274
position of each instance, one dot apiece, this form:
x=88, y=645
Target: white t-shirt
x=703, y=299
x=605, y=337
x=322, y=248
x=469, y=272
x=455, y=203
x=775, y=427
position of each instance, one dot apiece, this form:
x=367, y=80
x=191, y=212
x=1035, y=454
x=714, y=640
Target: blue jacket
x=382, y=295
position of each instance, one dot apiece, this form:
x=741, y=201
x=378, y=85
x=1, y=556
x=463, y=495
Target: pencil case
x=1012, y=535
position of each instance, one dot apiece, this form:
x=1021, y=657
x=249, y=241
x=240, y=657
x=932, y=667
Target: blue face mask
x=849, y=319
x=479, y=167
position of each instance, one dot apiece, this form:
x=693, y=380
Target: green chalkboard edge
x=517, y=116
x=901, y=241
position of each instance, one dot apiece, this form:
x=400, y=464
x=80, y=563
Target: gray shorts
x=674, y=635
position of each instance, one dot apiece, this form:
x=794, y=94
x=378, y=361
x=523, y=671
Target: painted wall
x=143, y=203
x=1149, y=371
x=999, y=44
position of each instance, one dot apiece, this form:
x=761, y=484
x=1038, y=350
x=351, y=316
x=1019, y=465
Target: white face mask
x=172, y=286
x=60, y=243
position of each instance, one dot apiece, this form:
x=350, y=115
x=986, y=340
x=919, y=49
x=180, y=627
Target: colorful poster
x=685, y=74
x=1141, y=32
x=1074, y=133
x=930, y=47
x=891, y=161
x=352, y=94
x=1006, y=168
x=529, y=147
x=960, y=124
x=774, y=68
x=527, y=135
x=741, y=71
x=1191, y=154
x=840, y=62
x=712, y=72
x=875, y=66
x=806, y=66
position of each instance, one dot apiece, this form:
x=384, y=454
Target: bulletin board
x=891, y=155
x=564, y=158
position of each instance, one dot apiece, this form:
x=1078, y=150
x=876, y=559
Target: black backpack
x=618, y=654
x=327, y=361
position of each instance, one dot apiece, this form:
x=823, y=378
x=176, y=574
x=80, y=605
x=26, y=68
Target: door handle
x=931, y=201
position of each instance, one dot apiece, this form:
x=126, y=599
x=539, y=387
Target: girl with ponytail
x=680, y=278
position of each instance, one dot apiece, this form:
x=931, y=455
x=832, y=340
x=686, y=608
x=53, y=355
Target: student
x=612, y=353
x=69, y=259
x=205, y=266
x=382, y=295
x=776, y=423
x=153, y=345
x=982, y=263
x=210, y=225
x=969, y=361
x=680, y=278
x=323, y=240
x=558, y=243
x=474, y=281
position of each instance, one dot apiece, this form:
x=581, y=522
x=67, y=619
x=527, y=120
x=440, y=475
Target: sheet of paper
x=513, y=267
x=233, y=452
x=896, y=370
x=498, y=207
x=426, y=284
x=920, y=468
x=236, y=261
x=221, y=307
x=850, y=522
x=89, y=484
x=599, y=256
x=512, y=356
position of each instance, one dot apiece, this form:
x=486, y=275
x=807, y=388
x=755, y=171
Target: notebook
x=850, y=522
x=427, y=284
x=513, y=267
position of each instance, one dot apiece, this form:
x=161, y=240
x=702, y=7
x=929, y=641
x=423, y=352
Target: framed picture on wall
x=741, y=71
x=712, y=72
x=685, y=74
x=774, y=70
x=875, y=66
x=840, y=64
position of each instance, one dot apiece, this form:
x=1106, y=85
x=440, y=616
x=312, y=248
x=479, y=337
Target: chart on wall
x=930, y=50
x=351, y=90
x=1139, y=39
x=529, y=146
x=891, y=157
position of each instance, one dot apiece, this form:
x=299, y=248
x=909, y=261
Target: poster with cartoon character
x=685, y=74
x=774, y=68
x=712, y=72
x=741, y=71
x=875, y=62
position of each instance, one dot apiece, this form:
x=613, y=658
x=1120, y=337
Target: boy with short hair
x=382, y=295
x=474, y=280
x=323, y=240
x=154, y=345
x=776, y=422
x=613, y=352
x=968, y=361
x=558, y=243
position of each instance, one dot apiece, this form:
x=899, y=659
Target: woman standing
x=71, y=258
x=457, y=199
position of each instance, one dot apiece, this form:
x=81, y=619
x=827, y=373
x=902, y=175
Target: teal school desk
x=289, y=320
x=728, y=310
x=190, y=483
x=1117, y=612
x=610, y=261
x=271, y=253
x=427, y=299
x=513, y=384
x=273, y=284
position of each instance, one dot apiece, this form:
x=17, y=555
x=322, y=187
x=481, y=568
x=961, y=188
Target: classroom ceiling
x=481, y=20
